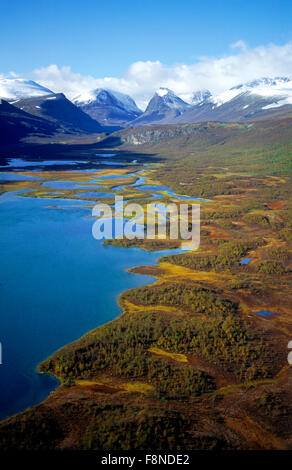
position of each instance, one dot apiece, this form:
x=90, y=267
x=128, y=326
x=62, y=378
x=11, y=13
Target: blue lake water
x=16, y=177
x=106, y=155
x=245, y=260
x=21, y=163
x=111, y=177
x=141, y=180
x=57, y=282
x=265, y=313
x=96, y=194
x=110, y=163
x=171, y=193
x=66, y=185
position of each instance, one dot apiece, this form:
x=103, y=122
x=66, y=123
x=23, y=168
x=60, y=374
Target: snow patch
x=277, y=105
x=200, y=97
x=99, y=95
x=224, y=97
x=171, y=99
x=14, y=89
x=279, y=88
x=162, y=91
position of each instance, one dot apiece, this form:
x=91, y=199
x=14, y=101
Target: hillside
x=108, y=107
x=58, y=109
x=261, y=145
x=163, y=108
x=16, y=124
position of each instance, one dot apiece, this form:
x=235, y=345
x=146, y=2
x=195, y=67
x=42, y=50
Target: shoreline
x=184, y=350
x=122, y=313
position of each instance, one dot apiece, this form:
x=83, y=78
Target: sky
x=134, y=46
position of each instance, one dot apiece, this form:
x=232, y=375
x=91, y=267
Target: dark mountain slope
x=108, y=107
x=58, y=109
x=163, y=108
x=245, y=106
x=16, y=124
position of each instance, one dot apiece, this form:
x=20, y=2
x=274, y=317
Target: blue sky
x=137, y=46
x=102, y=38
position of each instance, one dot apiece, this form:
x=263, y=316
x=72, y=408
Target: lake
x=57, y=282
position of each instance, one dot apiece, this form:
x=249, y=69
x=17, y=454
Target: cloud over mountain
x=143, y=77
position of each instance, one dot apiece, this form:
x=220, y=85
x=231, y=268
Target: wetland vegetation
x=188, y=364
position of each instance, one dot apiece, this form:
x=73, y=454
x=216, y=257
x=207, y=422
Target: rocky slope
x=108, y=107
x=163, y=108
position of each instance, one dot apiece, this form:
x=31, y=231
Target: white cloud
x=13, y=75
x=143, y=78
x=239, y=45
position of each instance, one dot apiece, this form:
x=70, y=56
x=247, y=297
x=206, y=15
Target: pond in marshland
x=265, y=313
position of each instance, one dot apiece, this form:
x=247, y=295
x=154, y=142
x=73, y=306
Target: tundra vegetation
x=189, y=364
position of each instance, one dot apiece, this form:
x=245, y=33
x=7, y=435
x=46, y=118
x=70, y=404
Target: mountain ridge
x=13, y=89
x=108, y=107
x=163, y=107
x=58, y=109
x=258, y=99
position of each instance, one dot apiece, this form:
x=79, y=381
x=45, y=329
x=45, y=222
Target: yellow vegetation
x=174, y=356
x=136, y=387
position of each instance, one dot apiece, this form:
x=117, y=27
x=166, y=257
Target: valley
x=190, y=363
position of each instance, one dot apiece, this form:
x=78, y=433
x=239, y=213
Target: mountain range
x=257, y=99
x=33, y=109
x=244, y=102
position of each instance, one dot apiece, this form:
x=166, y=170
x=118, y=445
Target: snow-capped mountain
x=277, y=90
x=163, y=108
x=200, y=96
x=12, y=89
x=165, y=98
x=252, y=100
x=58, y=109
x=258, y=99
x=108, y=107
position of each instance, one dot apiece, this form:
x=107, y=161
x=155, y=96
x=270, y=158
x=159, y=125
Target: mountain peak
x=105, y=96
x=163, y=92
x=12, y=89
x=58, y=109
x=263, y=82
x=164, y=97
x=200, y=96
x=163, y=107
x=277, y=90
x=107, y=106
